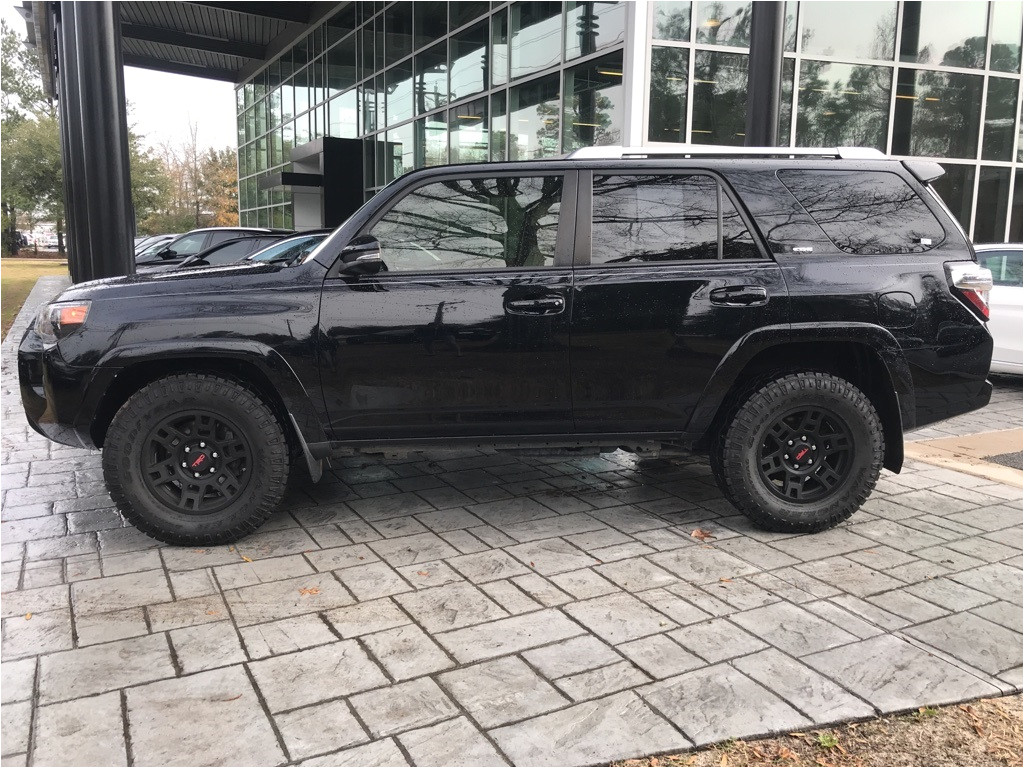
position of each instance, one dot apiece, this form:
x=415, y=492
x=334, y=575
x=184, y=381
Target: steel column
x=764, y=74
x=94, y=141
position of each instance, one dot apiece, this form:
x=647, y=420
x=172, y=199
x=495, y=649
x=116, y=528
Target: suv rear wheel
x=195, y=459
x=801, y=454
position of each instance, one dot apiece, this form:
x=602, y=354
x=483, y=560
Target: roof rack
x=705, y=150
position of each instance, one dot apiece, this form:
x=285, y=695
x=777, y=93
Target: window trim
x=585, y=218
x=564, y=238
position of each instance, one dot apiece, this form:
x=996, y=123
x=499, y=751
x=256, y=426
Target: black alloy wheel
x=801, y=453
x=806, y=454
x=195, y=459
x=196, y=462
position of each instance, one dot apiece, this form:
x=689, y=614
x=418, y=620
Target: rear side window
x=1006, y=266
x=670, y=217
x=866, y=212
x=230, y=253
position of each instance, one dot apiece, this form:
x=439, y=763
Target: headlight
x=57, y=320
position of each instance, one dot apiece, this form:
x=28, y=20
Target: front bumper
x=52, y=391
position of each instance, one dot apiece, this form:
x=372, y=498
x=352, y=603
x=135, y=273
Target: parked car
x=226, y=252
x=198, y=240
x=151, y=242
x=289, y=250
x=788, y=312
x=1006, y=303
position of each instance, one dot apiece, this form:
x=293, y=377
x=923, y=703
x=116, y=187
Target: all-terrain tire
x=738, y=454
x=143, y=485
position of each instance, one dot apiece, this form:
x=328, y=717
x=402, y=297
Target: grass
x=17, y=276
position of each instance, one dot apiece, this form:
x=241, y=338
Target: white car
x=1006, y=304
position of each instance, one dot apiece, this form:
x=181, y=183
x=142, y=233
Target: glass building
x=429, y=83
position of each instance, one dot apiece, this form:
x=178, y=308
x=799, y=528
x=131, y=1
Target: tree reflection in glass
x=473, y=223
x=843, y=105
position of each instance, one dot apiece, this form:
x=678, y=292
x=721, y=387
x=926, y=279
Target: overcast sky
x=162, y=105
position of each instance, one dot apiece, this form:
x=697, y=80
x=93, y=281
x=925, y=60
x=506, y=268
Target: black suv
x=791, y=313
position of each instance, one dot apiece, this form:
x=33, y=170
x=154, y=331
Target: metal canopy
x=219, y=41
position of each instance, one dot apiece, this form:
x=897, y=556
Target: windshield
x=287, y=251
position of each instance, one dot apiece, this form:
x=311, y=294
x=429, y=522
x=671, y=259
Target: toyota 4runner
x=790, y=313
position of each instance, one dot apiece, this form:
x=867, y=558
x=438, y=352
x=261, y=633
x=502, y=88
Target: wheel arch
x=865, y=355
x=263, y=371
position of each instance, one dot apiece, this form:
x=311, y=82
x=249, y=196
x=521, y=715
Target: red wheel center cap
x=199, y=461
x=802, y=452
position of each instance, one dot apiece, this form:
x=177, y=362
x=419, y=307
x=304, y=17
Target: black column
x=94, y=141
x=764, y=84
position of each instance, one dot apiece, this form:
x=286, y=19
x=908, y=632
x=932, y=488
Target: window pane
x=668, y=94
x=536, y=32
x=1000, y=111
x=1006, y=266
x=1005, y=37
x=475, y=223
x=229, y=253
x=863, y=29
x=431, y=20
x=499, y=48
x=843, y=105
x=301, y=84
x=665, y=218
x=533, y=119
x=397, y=32
x=593, y=109
x=401, y=157
x=431, y=141
x=467, y=126
x=469, y=61
x=723, y=23
x=993, y=204
x=399, y=92
x=341, y=65
x=937, y=114
x=499, y=126
x=866, y=212
x=431, y=87
x=672, y=20
x=287, y=101
x=589, y=27
x=464, y=11
x=951, y=34
x=368, y=105
x=344, y=116
x=719, y=98
x=339, y=25
x=956, y=188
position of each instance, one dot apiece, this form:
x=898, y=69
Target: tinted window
x=473, y=223
x=1006, y=266
x=666, y=218
x=222, y=235
x=230, y=252
x=866, y=212
x=189, y=244
x=289, y=250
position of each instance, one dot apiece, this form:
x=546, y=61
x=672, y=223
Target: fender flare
x=874, y=337
x=301, y=412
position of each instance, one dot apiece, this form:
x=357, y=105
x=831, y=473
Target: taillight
x=971, y=284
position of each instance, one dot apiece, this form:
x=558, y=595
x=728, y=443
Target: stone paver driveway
x=486, y=609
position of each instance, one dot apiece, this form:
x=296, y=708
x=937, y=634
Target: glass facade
x=429, y=83
x=918, y=79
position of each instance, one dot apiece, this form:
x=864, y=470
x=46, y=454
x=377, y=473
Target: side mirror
x=362, y=256
x=167, y=253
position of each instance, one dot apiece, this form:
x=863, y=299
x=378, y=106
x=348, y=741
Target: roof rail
x=705, y=150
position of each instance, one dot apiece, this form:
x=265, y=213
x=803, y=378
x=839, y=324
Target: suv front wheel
x=801, y=454
x=195, y=459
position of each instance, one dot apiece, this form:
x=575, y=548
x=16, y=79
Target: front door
x=467, y=331
x=670, y=281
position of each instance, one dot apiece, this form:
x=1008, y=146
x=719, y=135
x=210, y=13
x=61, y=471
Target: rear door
x=467, y=331
x=670, y=279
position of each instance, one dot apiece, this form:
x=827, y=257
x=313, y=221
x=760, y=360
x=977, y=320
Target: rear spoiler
x=924, y=171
